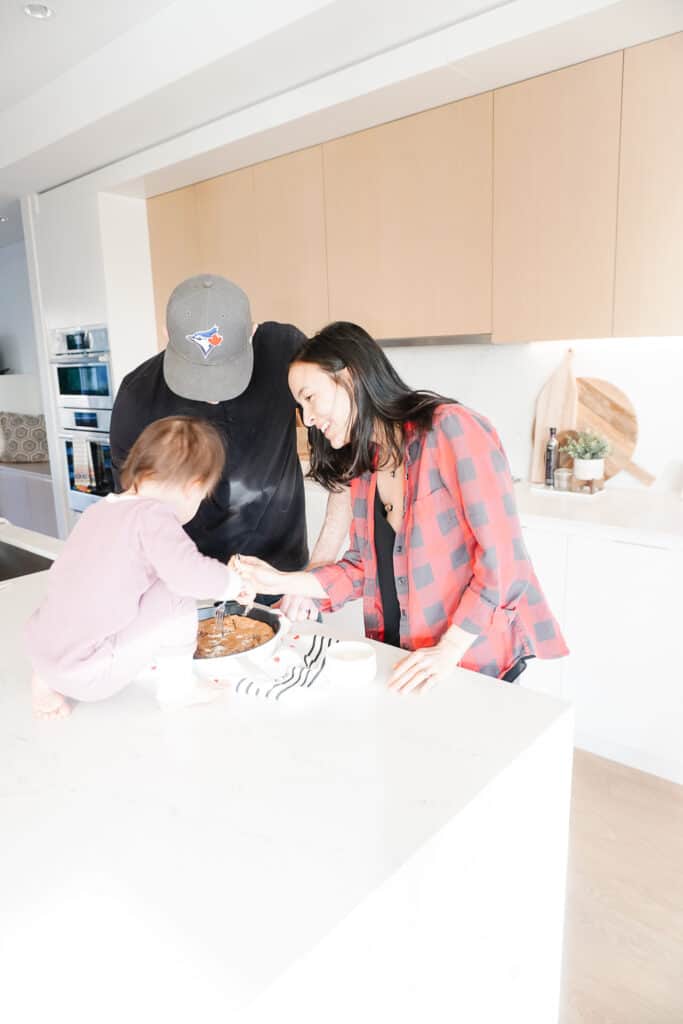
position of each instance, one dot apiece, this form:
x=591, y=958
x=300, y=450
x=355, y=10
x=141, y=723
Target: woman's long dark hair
x=381, y=404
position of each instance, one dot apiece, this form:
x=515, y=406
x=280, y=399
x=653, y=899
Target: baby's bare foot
x=47, y=703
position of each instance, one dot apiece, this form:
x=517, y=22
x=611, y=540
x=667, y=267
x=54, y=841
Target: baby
x=122, y=594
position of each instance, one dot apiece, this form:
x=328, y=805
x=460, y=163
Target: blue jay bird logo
x=207, y=340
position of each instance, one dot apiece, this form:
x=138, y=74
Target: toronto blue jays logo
x=207, y=340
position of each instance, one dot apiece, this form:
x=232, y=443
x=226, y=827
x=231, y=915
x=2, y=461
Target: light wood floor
x=624, y=934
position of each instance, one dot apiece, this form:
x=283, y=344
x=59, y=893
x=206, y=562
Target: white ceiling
x=77, y=29
x=118, y=80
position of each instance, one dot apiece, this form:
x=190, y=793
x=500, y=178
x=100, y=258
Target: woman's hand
x=257, y=574
x=427, y=666
x=247, y=593
x=267, y=580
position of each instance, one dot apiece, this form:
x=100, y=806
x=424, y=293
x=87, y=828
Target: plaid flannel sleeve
x=473, y=464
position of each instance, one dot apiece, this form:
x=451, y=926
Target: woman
x=436, y=546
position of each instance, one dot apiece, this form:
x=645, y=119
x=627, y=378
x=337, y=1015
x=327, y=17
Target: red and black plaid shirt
x=459, y=556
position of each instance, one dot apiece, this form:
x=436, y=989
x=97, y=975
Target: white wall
x=20, y=392
x=502, y=381
x=128, y=282
x=69, y=255
x=17, y=335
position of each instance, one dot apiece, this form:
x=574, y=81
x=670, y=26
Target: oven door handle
x=83, y=435
x=79, y=359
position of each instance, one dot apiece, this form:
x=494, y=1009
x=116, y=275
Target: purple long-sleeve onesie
x=127, y=564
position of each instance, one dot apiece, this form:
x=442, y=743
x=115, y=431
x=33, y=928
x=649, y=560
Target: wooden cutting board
x=605, y=409
x=556, y=406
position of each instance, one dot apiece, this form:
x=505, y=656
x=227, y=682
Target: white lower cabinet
x=548, y=552
x=27, y=498
x=624, y=625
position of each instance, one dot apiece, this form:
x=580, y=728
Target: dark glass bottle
x=551, y=456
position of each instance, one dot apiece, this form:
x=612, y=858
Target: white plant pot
x=589, y=469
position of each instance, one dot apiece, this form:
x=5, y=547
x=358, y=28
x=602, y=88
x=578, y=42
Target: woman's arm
x=267, y=580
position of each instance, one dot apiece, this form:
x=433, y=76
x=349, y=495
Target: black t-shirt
x=257, y=507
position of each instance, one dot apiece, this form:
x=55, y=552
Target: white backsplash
x=502, y=381
x=17, y=334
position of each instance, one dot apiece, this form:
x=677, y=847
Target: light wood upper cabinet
x=548, y=209
x=174, y=247
x=649, y=279
x=226, y=208
x=556, y=151
x=262, y=227
x=408, y=210
x=289, y=230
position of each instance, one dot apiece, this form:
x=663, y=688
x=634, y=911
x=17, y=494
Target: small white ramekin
x=351, y=663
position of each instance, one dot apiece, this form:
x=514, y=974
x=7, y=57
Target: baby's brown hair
x=176, y=450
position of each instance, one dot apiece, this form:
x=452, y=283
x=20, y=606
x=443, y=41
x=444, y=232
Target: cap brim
x=217, y=383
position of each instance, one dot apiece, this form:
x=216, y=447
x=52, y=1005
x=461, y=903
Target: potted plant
x=588, y=450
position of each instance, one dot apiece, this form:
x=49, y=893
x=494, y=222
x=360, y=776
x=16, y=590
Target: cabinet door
x=548, y=552
x=227, y=239
x=624, y=674
x=174, y=247
x=556, y=149
x=649, y=297
x=290, y=232
x=408, y=210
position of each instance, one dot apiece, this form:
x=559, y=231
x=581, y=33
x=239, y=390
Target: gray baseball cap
x=209, y=357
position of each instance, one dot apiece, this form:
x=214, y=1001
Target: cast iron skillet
x=279, y=623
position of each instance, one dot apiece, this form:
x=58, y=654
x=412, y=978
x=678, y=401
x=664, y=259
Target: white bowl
x=351, y=663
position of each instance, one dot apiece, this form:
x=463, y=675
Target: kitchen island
x=359, y=856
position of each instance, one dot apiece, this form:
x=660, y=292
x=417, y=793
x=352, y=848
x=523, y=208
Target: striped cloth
x=295, y=671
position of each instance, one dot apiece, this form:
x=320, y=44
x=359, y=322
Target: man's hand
x=298, y=609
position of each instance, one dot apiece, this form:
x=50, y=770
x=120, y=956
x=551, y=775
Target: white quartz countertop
x=31, y=540
x=196, y=855
x=642, y=517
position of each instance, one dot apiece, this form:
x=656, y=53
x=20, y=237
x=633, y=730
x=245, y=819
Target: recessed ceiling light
x=40, y=11
x=3, y=220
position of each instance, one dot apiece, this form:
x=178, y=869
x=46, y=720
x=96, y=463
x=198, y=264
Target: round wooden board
x=607, y=411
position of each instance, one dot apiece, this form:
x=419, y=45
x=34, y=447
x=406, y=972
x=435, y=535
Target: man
x=216, y=367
